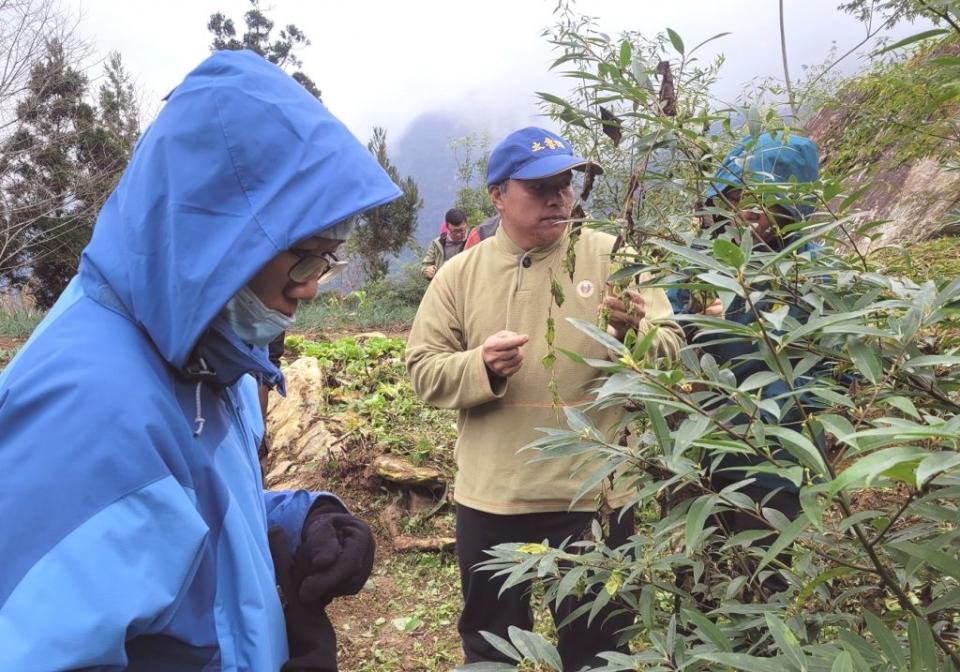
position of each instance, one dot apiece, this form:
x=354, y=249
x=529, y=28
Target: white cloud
x=383, y=62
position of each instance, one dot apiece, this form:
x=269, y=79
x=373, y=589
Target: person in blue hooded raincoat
x=135, y=528
x=769, y=158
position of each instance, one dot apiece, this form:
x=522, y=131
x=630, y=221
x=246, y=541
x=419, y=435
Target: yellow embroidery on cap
x=536, y=146
x=550, y=143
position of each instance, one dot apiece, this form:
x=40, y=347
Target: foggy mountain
x=423, y=152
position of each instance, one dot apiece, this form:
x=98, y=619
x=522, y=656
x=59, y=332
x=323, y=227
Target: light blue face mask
x=252, y=321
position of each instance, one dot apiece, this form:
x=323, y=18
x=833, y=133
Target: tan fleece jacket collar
x=505, y=244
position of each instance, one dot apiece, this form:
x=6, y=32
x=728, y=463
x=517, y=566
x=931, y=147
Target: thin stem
x=786, y=69
x=882, y=533
x=943, y=14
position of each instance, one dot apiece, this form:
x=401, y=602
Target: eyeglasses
x=323, y=266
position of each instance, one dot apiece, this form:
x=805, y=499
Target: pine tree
x=58, y=167
x=257, y=39
x=388, y=229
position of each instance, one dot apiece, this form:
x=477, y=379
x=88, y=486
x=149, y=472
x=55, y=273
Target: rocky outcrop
x=298, y=434
x=913, y=198
x=904, y=152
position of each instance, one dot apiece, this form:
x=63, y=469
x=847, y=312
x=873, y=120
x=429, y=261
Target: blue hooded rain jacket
x=134, y=521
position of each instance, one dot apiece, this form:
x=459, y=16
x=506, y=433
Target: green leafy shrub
x=903, y=109
x=864, y=421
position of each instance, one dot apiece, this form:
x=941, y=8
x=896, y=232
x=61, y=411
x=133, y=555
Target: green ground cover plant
x=367, y=386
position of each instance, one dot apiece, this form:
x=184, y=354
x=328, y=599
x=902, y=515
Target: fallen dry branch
x=390, y=517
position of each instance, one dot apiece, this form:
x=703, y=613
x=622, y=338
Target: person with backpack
x=447, y=245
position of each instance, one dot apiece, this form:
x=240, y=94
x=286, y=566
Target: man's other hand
x=501, y=353
x=622, y=315
x=715, y=309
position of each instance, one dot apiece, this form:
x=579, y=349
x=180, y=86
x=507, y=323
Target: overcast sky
x=385, y=62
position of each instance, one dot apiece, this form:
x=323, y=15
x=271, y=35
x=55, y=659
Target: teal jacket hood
x=240, y=164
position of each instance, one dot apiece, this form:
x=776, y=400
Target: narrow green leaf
x=550, y=98
x=572, y=355
x=865, y=359
x=787, y=537
x=854, y=197
x=643, y=345
x=758, y=380
x=943, y=562
x=869, y=467
x=710, y=39
x=487, y=667
x=728, y=253
x=886, y=639
x=902, y=404
x=594, y=479
x=843, y=663
x=932, y=360
x=708, y=629
x=501, y=645
x=809, y=588
x=800, y=447
x=534, y=647
x=675, y=40
x=923, y=649
x=696, y=518
x=648, y=597
x=934, y=464
x=570, y=580
x=840, y=427
x=917, y=37
x=602, y=337
x=742, y=661
x=698, y=258
x=639, y=70
x=626, y=53
x=578, y=421
x=786, y=641
x=949, y=601
x=659, y=425
x=723, y=281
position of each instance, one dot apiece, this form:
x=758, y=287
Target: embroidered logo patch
x=550, y=143
x=585, y=289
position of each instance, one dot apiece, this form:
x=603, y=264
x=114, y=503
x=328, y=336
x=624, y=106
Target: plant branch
x=786, y=69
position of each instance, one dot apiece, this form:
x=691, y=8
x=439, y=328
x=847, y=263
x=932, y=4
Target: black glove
x=336, y=554
x=310, y=636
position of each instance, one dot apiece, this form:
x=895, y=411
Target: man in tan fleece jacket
x=476, y=346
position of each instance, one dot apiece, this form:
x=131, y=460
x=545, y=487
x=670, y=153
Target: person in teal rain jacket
x=135, y=527
x=769, y=158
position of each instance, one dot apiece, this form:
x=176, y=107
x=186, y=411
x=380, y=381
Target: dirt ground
x=405, y=617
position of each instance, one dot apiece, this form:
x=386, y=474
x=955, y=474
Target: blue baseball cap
x=769, y=158
x=531, y=154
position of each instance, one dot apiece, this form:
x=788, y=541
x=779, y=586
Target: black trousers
x=484, y=609
x=785, y=501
